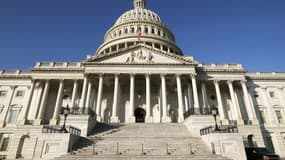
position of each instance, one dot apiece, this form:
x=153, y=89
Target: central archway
x=140, y=115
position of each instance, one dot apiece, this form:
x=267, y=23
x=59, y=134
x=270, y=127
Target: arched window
x=139, y=29
x=146, y=30
x=152, y=30
x=133, y=30
x=159, y=32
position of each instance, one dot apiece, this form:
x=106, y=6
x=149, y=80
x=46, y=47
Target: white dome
x=153, y=32
x=139, y=14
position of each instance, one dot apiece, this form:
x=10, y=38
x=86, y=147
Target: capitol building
x=139, y=97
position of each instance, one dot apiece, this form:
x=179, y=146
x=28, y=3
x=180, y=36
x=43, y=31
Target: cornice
x=221, y=70
x=58, y=70
x=139, y=64
x=265, y=76
x=15, y=76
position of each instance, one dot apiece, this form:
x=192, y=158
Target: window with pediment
x=13, y=114
x=4, y=141
x=279, y=112
x=3, y=93
x=20, y=93
x=1, y=108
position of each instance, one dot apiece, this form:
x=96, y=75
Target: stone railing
x=59, y=129
x=221, y=129
x=14, y=72
x=192, y=111
x=58, y=65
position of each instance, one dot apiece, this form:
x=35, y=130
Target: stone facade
x=138, y=74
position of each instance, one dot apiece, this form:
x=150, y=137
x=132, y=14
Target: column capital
x=216, y=81
x=178, y=75
x=230, y=82
x=243, y=81
x=100, y=75
x=13, y=87
x=263, y=87
x=193, y=75
x=162, y=75
x=147, y=75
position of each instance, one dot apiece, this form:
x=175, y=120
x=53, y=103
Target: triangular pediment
x=141, y=54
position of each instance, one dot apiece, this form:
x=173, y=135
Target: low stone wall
x=226, y=144
x=28, y=142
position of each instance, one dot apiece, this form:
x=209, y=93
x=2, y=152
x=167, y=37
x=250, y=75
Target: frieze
x=140, y=57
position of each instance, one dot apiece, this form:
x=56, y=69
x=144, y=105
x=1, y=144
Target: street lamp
x=215, y=113
x=66, y=112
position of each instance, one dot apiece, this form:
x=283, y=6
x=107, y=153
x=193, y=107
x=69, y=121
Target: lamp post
x=215, y=113
x=66, y=112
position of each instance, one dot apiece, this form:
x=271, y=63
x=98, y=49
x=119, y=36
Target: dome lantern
x=139, y=3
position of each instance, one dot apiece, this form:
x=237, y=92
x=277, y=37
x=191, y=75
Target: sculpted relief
x=140, y=57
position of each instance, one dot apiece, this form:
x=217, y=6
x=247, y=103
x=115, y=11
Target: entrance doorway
x=140, y=115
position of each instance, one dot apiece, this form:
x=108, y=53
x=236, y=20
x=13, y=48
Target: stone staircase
x=142, y=142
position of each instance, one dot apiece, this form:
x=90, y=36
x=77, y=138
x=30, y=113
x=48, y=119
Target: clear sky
x=250, y=32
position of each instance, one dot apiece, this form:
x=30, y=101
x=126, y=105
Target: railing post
x=93, y=148
x=190, y=149
x=117, y=148
x=142, y=150
x=167, y=152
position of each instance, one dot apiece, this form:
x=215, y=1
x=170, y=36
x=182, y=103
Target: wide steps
x=137, y=157
x=142, y=141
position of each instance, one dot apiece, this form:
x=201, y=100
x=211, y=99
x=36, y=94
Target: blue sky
x=250, y=32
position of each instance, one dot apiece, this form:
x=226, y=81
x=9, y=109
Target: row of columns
x=86, y=93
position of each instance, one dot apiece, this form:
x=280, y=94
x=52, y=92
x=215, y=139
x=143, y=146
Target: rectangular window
x=262, y=117
x=20, y=93
x=279, y=117
x=3, y=93
x=4, y=142
x=13, y=116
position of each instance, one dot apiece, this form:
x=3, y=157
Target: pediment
x=141, y=55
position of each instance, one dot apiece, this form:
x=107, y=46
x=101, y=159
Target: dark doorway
x=140, y=115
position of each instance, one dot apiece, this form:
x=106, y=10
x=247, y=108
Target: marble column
x=165, y=117
x=195, y=94
x=6, y=111
x=148, y=92
x=272, y=118
x=74, y=95
x=131, y=118
x=220, y=102
x=88, y=97
x=190, y=98
x=40, y=117
x=180, y=99
x=205, y=99
x=58, y=104
x=83, y=96
x=234, y=102
x=114, y=118
x=28, y=105
x=249, y=107
x=99, y=98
